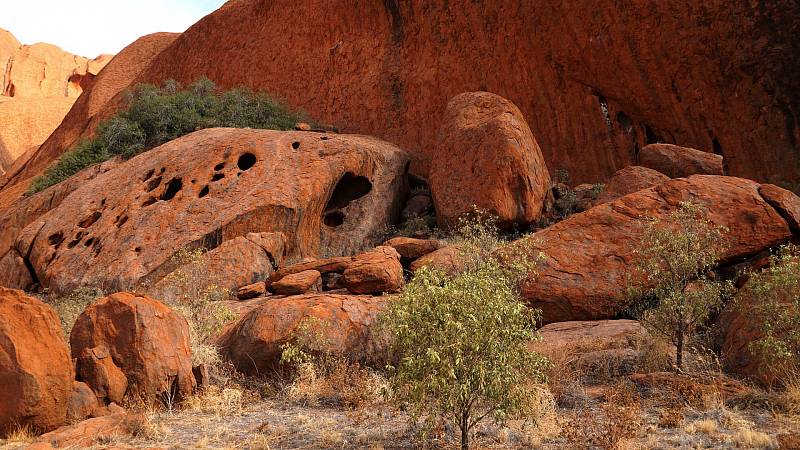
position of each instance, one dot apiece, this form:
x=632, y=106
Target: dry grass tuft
x=749, y=438
x=343, y=383
x=217, y=400
x=141, y=425
x=706, y=426
x=20, y=434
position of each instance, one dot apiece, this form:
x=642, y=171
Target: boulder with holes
x=487, y=157
x=35, y=368
x=145, y=340
x=339, y=324
x=588, y=256
x=676, y=162
x=321, y=191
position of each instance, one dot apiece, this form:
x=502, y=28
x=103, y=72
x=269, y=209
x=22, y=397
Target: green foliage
x=156, y=115
x=775, y=292
x=673, y=296
x=597, y=189
x=461, y=339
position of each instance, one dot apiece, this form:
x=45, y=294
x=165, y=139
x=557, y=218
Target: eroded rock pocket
x=350, y=187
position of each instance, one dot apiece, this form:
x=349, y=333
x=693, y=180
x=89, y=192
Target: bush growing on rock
x=777, y=306
x=672, y=260
x=156, y=115
x=460, y=340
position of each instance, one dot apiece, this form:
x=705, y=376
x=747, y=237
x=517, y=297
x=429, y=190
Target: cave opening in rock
x=173, y=187
x=350, y=187
x=203, y=192
x=246, y=161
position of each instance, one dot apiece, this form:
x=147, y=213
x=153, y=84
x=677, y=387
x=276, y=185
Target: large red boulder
x=676, y=162
x=374, y=272
x=146, y=340
x=321, y=191
x=629, y=180
x=297, y=283
x=589, y=255
x=340, y=324
x=487, y=157
x=35, y=367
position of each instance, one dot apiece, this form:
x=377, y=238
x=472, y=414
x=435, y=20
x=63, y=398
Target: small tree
x=775, y=292
x=461, y=340
x=673, y=295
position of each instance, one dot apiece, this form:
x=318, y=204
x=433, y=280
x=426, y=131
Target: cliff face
x=38, y=85
x=596, y=79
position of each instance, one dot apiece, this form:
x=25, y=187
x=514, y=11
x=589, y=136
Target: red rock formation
x=487, y=157
x=95, y=366
x=254, y=342
x=146, y=340
x=448, y=258
x=297, y=283
x=411, y=249
x=676, y=162
x=35, y=368
x=212, y=186
x=596, y=80
x=82, y=403
x=374, y=272
x=38, y=85
x=629, y=180
x=589, y=255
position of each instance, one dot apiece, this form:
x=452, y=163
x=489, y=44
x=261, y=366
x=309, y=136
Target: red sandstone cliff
x=595, y=79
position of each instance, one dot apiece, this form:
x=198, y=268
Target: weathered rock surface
x=718, y=77
x=38, y=85
x=629, y=180
x=487, y=157
x=786, y=203
x=589, y=255
x=93, y=106
x=146, y=340
x=85, y=434
x=97, y=369
x=35, y=368
x=603, y=347
x=342, y=323
x=411, y=249
x=448, y=259
x=297, y=283
x=677, y=162
x=251, y=291
x=210, y=187
x=374, y=272
x=82, y=402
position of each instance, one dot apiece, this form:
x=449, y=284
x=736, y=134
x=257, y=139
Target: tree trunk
x=679, y=351
x=464, y=425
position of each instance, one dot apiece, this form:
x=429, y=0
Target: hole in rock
x=88, y=242
x=246, y=161
x=219, y=166
x=138, y=249
x=154, y=183
x=121, y=221
x=625, y=122
x=77, y=240
x=162, y=170
x=651, y=136
x=333, y=218
x=149, y=201
x=217, y=177
x=349, y=188
x=295, y=145
x=173, y=187
x=203, y=192
x=56, y=239
x=324, y=138
x=717, y=146
x=89, y=221
x=149, y=174
x=12, y=90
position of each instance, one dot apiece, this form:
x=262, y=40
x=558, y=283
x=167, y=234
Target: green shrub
x=776, y=303
x=155, y=115
x=672, y=295
x=460, y=341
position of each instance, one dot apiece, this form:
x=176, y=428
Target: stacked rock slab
x=487, y=158
x=588, y=255
x=35, y=367
x=123, y=227
x=676, y=162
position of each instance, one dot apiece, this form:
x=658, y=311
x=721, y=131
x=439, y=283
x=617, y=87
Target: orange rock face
x=588, y=255
x=718, y=78
x=146, y=340
x=254, y=342
x=487, y=157
x=374, y=272
x=35, y=368
x=676, y=162
x=411, y=249
x=297, y=283
x=38, y=85
x=210, y=187
x=629, y=180
x=448, y=259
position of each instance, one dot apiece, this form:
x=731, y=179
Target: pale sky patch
x=92, y=27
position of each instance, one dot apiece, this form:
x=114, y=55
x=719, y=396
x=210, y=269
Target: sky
x=93, y=27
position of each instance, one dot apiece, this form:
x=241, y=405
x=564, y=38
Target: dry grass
x=217, y=400
x=343, y=383
x=20, y=434
x=706, y=426
x=748, y=438
x=70, y=306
